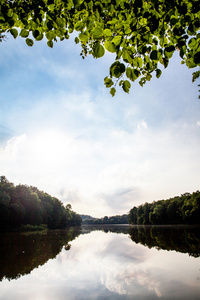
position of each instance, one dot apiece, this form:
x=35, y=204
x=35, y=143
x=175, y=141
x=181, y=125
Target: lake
x=102, y=262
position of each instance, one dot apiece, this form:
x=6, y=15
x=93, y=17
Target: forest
x=23, y=205
x=88, y=220
x=184, y=209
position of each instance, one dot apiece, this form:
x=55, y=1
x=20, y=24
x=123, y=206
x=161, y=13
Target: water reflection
x=112, y=263
x=20, y=253
x=184, y=239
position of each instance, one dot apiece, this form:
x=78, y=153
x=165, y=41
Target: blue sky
x=61, y=130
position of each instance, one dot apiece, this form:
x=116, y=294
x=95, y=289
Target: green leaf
x=50, y=25
x=154, y=55
x=132, y=74
x=79, y=26
x=117, y=40
x=126, y=86
x=148, y=77
x=192, y=42
x=129, y=73
x=107, y=32
x=108, y=82
x=197, y=58
x=195, y=75
x=14, y=32
x=35, y=33
x=158, y=73
x=60, y=22
x=168, y=54
x=98, y=50
x=39, y=37
x=140, y=62
x=117, y=69
x=109, y=46
x=83, y=37
x=97, y=32
x=142, y=81
x=165, y=62
x=50, y=44
x=112, y=91
x=29, y=42
x=50, y=35
x=126, y=56
x=183, y=51
x=10, y=13
x=170, y=48
x=173, y=20
x=76, y=40
x=24, y=33
x=121, y=82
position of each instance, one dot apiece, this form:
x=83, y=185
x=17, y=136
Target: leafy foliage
x=24, y=205
x=143, y=35
x=178, y=210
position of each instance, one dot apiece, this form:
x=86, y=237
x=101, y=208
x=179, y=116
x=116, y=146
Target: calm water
x=101, y=263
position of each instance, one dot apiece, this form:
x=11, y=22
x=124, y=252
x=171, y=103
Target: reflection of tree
x=21, y=253
x=106, y=228
x=181, y=239
x=185, y=239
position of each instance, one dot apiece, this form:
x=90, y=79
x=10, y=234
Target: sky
x=61, y=130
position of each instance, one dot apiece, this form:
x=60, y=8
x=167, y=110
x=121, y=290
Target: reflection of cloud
x=118, y=261
x=109, y=266
x=122, y=283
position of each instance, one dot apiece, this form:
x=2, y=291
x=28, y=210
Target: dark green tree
x=26, y=205
x=184, y=209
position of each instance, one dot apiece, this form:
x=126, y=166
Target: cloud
x=109, y=173
x=69, y=137
x=142, y=125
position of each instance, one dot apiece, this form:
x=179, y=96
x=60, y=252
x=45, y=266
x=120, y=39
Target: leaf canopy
x=142, y=34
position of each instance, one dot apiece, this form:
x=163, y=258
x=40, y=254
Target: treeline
x=88, y=220
x=21, y=205
x=184, y=209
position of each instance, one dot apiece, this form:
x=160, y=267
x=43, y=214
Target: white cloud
x=73, y=140
x=108, y=174
x=142, y=125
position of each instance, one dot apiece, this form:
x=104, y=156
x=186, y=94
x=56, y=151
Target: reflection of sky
x=109, y=266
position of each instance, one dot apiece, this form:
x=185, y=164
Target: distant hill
x=87, y=217
x=119, y=219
